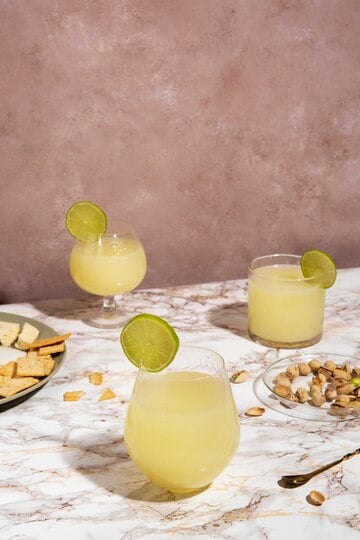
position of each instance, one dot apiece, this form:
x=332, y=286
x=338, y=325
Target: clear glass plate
x=11, y=353
x=307, y=410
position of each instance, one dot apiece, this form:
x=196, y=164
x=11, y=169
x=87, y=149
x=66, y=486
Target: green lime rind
x=318, y=264
x=356, y=381
x=149, y=341
x=85, y=221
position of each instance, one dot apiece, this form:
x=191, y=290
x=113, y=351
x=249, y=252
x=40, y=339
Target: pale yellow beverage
x=182, y=428
x=108, y=266
x=284, y=309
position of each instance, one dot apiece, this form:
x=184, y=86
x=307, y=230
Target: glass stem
x=109, y=305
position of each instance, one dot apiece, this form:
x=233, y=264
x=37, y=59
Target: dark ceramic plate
x=10, y=353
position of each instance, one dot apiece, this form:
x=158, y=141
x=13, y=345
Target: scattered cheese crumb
x=107, y=394
x=96, y=378
x=73, y=396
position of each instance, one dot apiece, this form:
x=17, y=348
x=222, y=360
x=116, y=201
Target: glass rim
x=118, y=230
x=217, y=358
x=293, y=256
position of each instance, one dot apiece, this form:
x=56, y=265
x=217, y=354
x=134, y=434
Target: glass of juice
x=107, y=265
x=285, y=310
x=182, y=426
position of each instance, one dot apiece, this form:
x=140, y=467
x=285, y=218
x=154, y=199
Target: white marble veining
x=65, y=472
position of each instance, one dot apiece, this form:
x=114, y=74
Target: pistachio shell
x=304, y=369
x=316, y=395
x=345, y=389
x=293, y=370
x=330, y=393
x=282, y=391
x=301, y=394
x=329, y=365
x=327, y=373
x=341, y=374
x=282, y=380
x=314, y=365
x=239, y=376
x=316, y=498
x=255, y=411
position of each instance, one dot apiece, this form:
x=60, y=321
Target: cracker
x=50, y=341
x=13, y=386
x=30, y=367
x=96, y=378
x=49, y=364
x=74, y=395
x=8, y=333
x=35, y=366
x=8, y=369
x=52, y=349
x=107, y=394
x=23, y=373
x=27, y=336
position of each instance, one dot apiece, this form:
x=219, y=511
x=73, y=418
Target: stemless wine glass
x=285, y=309
x=107, y=265
x=182, y=426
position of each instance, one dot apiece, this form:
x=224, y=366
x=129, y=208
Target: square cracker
x=30, y=367
x=40, y=366
x=13, y=386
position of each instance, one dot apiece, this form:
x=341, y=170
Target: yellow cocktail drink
x=182, y=428
x=284, y=309
x=107, y=259
x=108, y=266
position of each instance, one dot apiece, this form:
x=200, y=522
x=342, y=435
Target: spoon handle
x=297, y=480
x=336, y=462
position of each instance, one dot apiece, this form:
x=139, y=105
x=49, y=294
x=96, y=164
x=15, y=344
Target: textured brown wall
x=221, y=129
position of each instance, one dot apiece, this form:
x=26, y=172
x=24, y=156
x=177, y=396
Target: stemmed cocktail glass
x=106, y=265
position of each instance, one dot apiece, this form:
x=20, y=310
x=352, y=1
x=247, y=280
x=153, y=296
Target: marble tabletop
x=65, y=471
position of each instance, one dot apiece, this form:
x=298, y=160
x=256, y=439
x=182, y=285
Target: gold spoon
x=296, y=480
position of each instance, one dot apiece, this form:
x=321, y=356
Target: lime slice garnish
x=149, y=341
x=318, y=264
x=356, y=381
x=85, y=219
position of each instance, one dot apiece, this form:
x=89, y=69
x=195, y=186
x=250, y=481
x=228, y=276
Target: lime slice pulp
x=85, y=219
x=149, y=341
x=318, y=264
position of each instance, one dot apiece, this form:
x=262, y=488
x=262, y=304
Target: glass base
x=188, y=492
x=102, y=319
x=285, y=345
